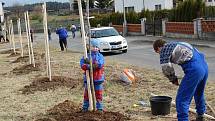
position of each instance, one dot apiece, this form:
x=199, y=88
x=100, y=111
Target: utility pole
x=125, y=22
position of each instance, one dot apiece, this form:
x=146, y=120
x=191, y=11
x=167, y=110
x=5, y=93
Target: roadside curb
x=151, y=40
x=203, y=45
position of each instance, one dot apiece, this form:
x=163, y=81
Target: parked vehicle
x=109, y=40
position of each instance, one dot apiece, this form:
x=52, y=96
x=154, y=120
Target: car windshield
x=104, y=33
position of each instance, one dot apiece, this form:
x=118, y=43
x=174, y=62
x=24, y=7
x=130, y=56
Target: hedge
x=131, y=17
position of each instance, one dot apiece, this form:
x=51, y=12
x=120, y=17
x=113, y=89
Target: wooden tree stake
x=48, y=61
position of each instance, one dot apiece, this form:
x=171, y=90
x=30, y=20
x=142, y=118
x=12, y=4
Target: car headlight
x=103, y=43
x=124, y=41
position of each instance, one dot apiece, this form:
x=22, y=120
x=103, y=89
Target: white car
x=109, y=40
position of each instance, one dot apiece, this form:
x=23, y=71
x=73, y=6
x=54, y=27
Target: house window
x=129, y=9
x=209, y=0
x=158, y=7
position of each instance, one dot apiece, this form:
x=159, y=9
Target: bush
x=37, y=17
x=187, y=11
x=209, y=12
x=131, y=17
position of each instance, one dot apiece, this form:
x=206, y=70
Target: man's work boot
x=200, y=118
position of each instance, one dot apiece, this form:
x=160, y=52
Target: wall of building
x=140, y=4
x=137, y=4
x=212, y=3
x=168, y=4
x=165, y=4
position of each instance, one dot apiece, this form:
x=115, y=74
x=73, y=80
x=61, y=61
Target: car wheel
x=124, y=51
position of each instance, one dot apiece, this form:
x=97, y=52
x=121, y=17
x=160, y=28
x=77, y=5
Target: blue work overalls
x=192, y=84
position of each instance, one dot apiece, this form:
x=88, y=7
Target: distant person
x=1, y=35
x=6, y=32
x=63, y=34
x=195, y=69
x=73, y=29
x=32, y=35
x=49, y=34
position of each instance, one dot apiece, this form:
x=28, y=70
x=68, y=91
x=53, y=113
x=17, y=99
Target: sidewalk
x=195, y=42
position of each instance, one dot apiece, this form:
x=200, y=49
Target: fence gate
x=154, y=27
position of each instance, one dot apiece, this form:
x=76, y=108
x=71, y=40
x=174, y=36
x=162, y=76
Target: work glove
x=86, y=61
x=175, y=81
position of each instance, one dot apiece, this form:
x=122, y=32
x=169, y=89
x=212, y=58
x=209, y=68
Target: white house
x=210, y=2
x=139, y=5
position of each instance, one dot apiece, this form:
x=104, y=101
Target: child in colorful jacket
x=98, y=76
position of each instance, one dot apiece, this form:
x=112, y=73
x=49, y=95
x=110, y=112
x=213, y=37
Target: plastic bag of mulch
x=128, y=76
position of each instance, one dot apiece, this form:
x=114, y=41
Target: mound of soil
x=8, y=51
x=68, y=111
x=26, y=69
x=4, y=42
x=26, y=58
x=44, y=84
x=21, y=59
x=14, y=54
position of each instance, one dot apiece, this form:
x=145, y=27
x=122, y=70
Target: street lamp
x=125, y=22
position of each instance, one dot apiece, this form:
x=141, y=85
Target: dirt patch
x=4, y=42
x=26, y=69
x=44, y=84
x=69, y=111
x=14, y=54
x=8, y=51
x=21, y=59
x=26, y=58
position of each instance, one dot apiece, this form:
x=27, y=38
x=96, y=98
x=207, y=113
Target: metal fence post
x=125, y=21
x=195, y=28
x=164, y=26
x=143, y=25
x=199, y=27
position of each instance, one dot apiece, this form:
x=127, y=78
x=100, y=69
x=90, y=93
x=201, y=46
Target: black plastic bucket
x=160, y=105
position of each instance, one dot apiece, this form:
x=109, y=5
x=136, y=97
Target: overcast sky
x=11, y=2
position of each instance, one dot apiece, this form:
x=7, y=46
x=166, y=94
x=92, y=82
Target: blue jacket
x=98, y=73
x=62, y=32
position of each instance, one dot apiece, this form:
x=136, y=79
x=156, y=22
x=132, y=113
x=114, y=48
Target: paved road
x=140, y=52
